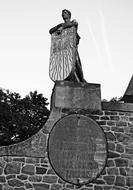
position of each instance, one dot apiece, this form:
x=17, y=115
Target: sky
x=105, y=48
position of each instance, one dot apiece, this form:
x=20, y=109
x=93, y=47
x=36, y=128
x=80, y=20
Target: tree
x=20, y=118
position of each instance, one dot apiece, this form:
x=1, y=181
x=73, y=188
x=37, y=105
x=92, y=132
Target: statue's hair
x=67, y=11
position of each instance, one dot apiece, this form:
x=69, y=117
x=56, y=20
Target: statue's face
x=65, y=14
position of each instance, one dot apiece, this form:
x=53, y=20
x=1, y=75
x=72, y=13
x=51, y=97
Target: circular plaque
x=77, y=149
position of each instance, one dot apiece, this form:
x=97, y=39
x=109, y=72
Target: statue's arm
x=69, y=25
x=54, y=29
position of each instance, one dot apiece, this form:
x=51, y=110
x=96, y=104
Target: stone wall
x=26, y=166
x=23, y=172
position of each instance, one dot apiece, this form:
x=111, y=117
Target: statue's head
x=66, y=14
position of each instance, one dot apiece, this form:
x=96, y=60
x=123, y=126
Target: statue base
x=73, y=95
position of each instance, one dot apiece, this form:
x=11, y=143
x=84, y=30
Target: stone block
x=2, y=179
x=42, y=186
x=28, y=169
x=122, y=171
x=114, y=117
x=50, y=179
x=40, y=170
x=109, y=179
x=129, y=181
x=110, y=136
x=76, y=95
x=22, y=177
x=119, y=148
x=121, y=137
x=56, y=187
x=28, y=185
x=51, y=171
x=120, y=181
x=98, y=187
x=110, y=163
x=129, y=150
x=12, y=168
x=15, y=183
x=112, y=171
x=19, y=188
x=120, y=162
x=35, y=178
x=113, y=154
x=111, y=146
x=12, y=176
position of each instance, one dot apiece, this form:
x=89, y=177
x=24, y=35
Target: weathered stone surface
x=71, y=186
x=56, y=187
x=75, y=95
x=51, y=171
x=120, y=181
x=110, y=136
x=110, y=163
x=129, y=181
x=2, y=179
x=111, y=146
x=35, y=146
x=40, y=170
x=32, y=160
x=28, y=169
x=115, y=117
x=105, y=117
x=129, y=171
x=61, y=181
x=64, y=159
x=42, y=186
x=50, y=179
x=107, y=187
x=35, y=178
x=2, y=163
x=119, y=148
x=117, y=129
x=28, y=185
x=120, y=162
x=129, y=150
x=122, y=171
x=97, y=187
x=109, y=112
x=22, y=177
x=121, y=123
x=102, y=122
x=113, y=154
x=110, y=123
x=117, y=106
x=10, y=176
x=12, y=168
x=131, y=130
x=121, y=137
x=99, y=181
x=112, y=171
x=19, y=159
x=1, y=171
x=103, y=171
x=15, y=183
x=109, y=179
x=19, y=188
x=6, y=187
x=7, y=158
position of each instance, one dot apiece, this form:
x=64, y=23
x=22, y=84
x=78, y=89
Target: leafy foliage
x=20, y=118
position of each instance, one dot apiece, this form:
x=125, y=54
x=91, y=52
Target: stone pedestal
x=70, y=97
x=76, y=96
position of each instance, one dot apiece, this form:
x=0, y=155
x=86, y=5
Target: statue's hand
x=59, y=31
x=75, y=23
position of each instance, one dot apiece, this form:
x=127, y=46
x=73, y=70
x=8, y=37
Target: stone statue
x=65, y=62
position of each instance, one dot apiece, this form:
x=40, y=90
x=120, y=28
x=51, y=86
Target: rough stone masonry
x=26, y=166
